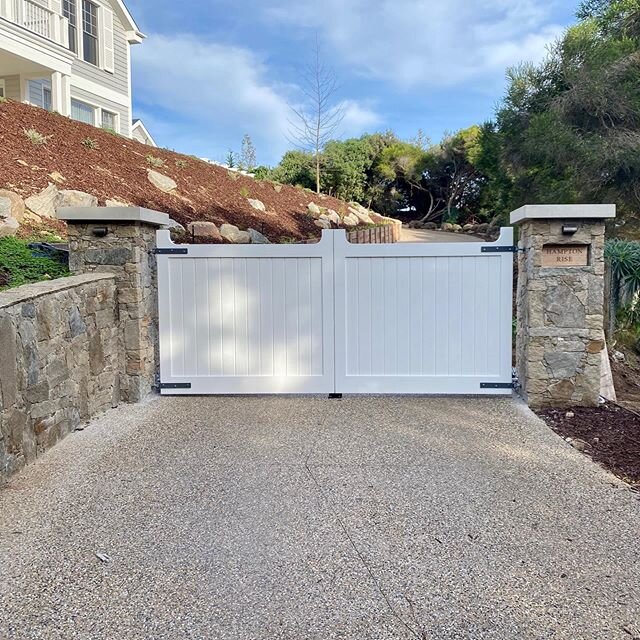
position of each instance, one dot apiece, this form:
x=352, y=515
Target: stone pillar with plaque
x=560, y=303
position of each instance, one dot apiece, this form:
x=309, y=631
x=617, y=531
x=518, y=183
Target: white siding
x=11, y=87
x=118, y=80
x=97, y=101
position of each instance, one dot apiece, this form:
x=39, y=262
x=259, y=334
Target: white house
x=139, y=132
x=70, y=56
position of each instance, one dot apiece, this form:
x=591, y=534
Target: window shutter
x=107, y=48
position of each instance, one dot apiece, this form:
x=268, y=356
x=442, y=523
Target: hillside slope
x=79, y=157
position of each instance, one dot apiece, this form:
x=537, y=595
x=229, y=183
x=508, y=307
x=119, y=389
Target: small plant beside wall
x=35, y=137
x=154, y=161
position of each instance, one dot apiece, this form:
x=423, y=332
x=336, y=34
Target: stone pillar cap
x=562, y=212
x=113, y=214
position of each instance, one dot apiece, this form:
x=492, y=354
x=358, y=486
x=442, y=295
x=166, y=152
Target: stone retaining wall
x=60, y=362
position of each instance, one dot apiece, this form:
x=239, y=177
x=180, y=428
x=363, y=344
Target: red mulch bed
x=117, y=169
x=609, y=434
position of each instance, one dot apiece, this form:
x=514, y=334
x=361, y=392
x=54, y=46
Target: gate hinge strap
x=160, y=251
x=497, y=385
x=175, y=385
x=500, y=249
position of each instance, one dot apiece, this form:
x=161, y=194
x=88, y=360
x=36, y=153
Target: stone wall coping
x=113, y=214
x=562, y=212
x=28, y=292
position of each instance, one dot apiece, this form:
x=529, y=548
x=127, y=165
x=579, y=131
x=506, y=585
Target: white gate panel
x=423, y=318
x=246, y=318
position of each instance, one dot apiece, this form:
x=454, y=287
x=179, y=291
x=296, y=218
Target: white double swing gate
x=336, y=317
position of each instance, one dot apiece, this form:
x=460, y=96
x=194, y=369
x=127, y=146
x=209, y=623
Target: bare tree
x=247, y=154
x=315, y=123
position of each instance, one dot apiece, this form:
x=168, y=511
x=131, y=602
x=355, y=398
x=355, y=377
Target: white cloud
x=414, y=43
x=202, y=97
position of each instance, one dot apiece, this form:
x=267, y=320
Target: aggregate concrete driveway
x=304, y=517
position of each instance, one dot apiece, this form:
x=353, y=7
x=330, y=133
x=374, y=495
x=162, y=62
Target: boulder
x=456, y=228
x=431, y=226
x=314, y=210
x=377, y=218
x=116, y=203
x=467, y=227
x=204, y=229
x=175, y=226
x=482, y=228
x=362, y=215
x=333, y=216
x=257, y=204
x=8, y=227
x=162, y=182
x=73, y=198
x=323, y=223
x=231, y=233
x=11, y=205
x=257, y=237
x=57, y=177
x=447, y=226
x=350, y=220
x=43, y=204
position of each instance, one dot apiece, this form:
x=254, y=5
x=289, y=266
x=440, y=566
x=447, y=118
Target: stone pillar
x=121, y=240
x=560, y=303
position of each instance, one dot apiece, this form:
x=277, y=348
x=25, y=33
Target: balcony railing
x=36, y=16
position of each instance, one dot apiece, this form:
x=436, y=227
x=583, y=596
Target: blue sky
x=211, y=71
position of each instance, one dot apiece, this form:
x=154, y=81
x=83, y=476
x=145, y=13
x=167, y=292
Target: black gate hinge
x=500, y=249
x=160, y=251
x=497, y=385
x=175, y=385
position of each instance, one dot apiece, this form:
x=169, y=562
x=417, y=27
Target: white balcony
x=37, y=16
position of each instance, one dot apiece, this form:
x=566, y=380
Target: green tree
x=296, y=168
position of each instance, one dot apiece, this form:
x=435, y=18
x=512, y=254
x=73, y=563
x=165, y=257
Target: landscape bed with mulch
x=79, y=156
x=609, y=434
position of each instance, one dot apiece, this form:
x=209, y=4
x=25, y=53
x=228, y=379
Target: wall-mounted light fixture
x=99, y=232
x=569, y=229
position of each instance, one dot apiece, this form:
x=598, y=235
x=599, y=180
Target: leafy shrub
x=19, y=266
x=181, y=164
x=90, y=143
x=35, y=137
x=244, y=192
x=2, y=99
x=154, y=161
x=623, y=257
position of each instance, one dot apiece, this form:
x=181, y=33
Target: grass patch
x=19, y=266
x=181, y=164
x=35, y=137
x=154, y=161
x=90, y=143
x=244, y=192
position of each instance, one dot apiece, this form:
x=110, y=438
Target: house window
x=82, y=112
x=3, y=93
x=70, y=12
x=109, y=120
x=89, y=32
x=46, y=98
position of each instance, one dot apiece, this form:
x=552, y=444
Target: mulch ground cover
x=609, y=434
x=112, y=167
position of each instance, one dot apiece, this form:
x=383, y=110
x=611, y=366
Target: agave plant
x=623, y=257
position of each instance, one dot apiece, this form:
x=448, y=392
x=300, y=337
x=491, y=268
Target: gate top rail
x=339, y=239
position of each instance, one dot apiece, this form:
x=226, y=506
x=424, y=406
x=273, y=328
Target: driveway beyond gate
x=298, y=517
